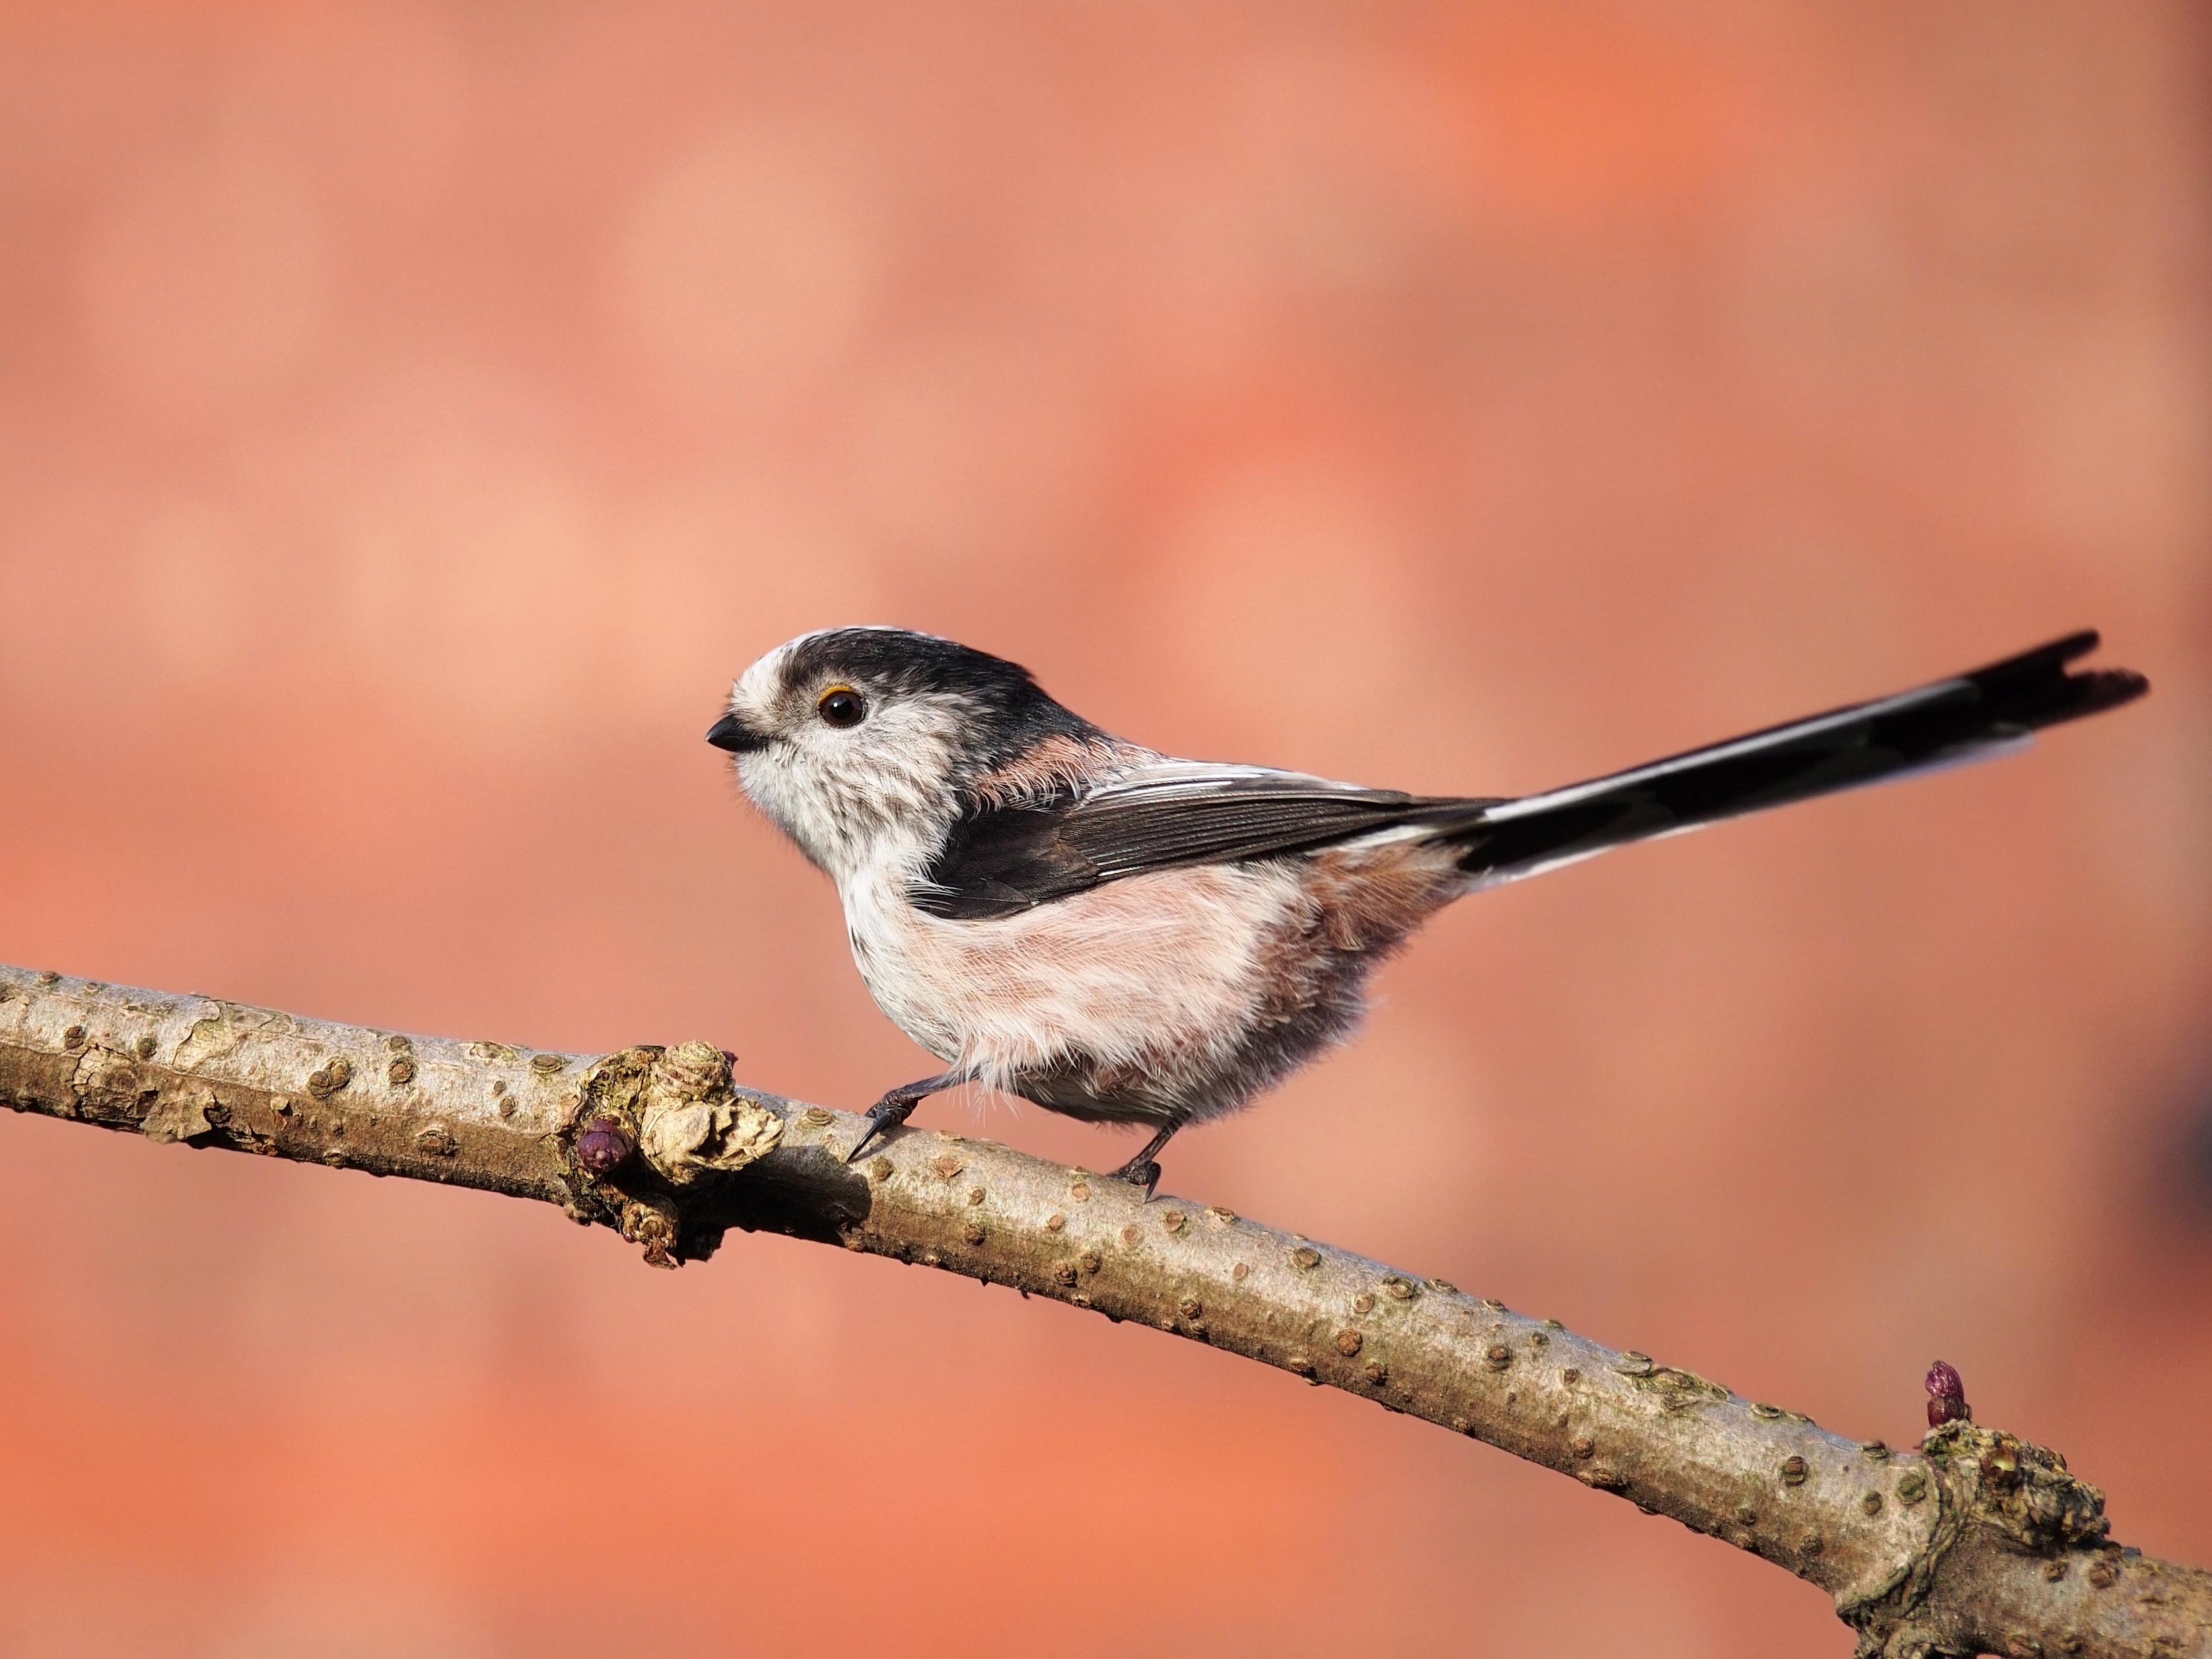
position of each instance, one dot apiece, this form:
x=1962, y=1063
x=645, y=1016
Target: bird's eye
x=841, y=706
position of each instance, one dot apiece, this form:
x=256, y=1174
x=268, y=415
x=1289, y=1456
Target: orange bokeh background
x=412, y=415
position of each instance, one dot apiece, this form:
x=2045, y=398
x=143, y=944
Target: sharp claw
x=883, y=1116
x=1146, y=1174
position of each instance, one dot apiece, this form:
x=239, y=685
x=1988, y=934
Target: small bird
x=1124, y=936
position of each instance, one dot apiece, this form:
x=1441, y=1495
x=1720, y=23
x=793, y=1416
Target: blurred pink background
x=411, y=419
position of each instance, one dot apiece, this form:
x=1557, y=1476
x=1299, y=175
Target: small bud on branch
x=1947, y=1397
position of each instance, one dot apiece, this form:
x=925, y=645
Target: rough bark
x=1977, y=1542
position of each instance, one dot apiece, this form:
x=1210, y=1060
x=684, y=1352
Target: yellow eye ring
x=841, y=706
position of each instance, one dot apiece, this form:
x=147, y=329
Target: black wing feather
x=998, y=862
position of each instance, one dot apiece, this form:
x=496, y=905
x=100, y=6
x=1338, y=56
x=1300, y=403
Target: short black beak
x=733, y=734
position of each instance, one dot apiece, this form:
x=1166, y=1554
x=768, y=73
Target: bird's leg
x=895, y=1107
x=1144, y=1169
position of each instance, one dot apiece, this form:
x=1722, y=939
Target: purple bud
x=604, y=1145
x=1947, y=1397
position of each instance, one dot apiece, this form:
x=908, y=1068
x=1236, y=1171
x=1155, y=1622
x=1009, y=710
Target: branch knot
x=676, y=1109
x=692, y=1123
x=2023, y=1491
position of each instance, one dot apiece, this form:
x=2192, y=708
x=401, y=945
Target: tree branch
x=1977, y=1542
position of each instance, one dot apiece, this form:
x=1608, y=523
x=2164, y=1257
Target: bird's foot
x=895, y=1107
x=887, y=1115
x=1140, y=1171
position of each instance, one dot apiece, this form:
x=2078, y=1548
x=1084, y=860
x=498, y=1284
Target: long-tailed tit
x=1127, y=938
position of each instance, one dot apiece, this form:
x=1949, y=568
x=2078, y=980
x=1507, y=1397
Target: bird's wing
x=1162, y=814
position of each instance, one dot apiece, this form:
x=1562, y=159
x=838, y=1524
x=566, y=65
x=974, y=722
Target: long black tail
x=1974, y=715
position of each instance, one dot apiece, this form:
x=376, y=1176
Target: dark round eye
x=842, y=705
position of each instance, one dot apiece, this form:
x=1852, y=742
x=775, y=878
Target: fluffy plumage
x=1122, y=936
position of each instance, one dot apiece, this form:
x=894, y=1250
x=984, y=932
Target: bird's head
x=863, y=744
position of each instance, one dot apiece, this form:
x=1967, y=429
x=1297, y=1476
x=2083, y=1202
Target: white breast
x=1160, y=962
